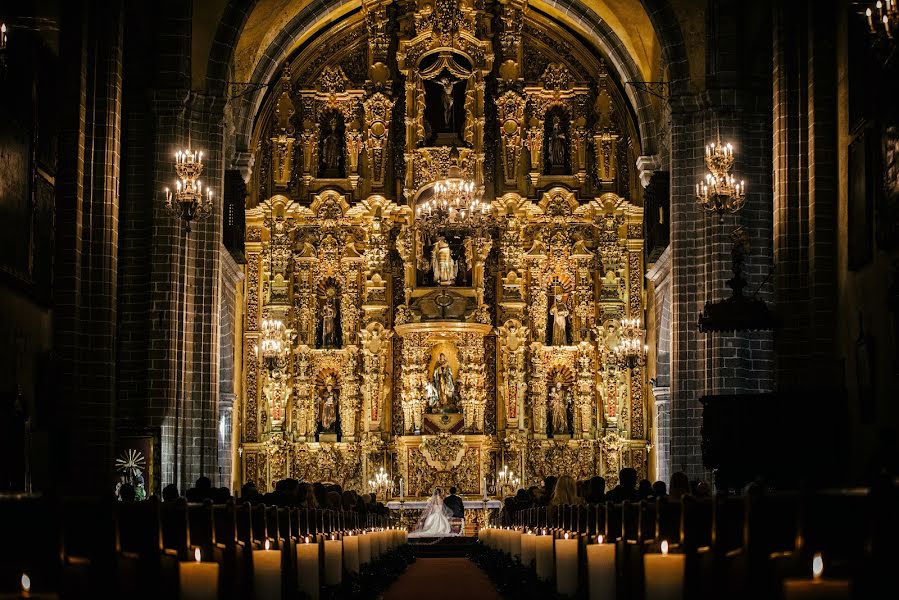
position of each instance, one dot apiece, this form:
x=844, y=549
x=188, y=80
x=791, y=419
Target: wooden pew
x=140, y=536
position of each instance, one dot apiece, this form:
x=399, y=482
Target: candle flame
x=566, y=535
x=333, y=537
x=817, y=566
x=267, y=544
x=664, y=546
x=26, y=583
x=544, y=532
x=599, y=539
x=197, y=554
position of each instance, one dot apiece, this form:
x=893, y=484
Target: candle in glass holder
x=601, y=570
x=527, y=548
x=543, y=552
x=664, y=575
x=816, y=588
x=566, y=565
x=307, y=567
x=198, y=580
x=267, y=573
x=333, y=561
x=364, y=548
x=351, y=553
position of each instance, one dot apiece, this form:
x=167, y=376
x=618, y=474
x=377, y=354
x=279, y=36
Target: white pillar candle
x=307, y=567
x=267, y=573
x=25, y=582
x=527, y=549
x=601, y=570
x=515, y=544
x=816, y=588
x=543, y=552
x=364, y=548
x=351, y=553
x=664, y=575
x=199, y=580
x=376, y=544
x=333, y=561
x=566, y=565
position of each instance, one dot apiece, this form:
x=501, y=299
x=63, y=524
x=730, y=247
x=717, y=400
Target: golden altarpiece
x=442, y=351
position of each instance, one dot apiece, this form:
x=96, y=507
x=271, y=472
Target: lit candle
x=26, y=592
x=198, y=580
x=364, y=548
x=267, y=573
x=664, y=575
x=527, y=548
x=485, y=489
x=351, y=553
x=566, y=565
x=543, y=551
x=402, y=491
x=816, y=588
x=601, y=570
x=307, y=567
x=333, y=561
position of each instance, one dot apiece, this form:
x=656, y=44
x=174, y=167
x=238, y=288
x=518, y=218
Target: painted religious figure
x=560, y=313
x=443, y=265
x=443, y=383
x=328, y=416
x=558, y=409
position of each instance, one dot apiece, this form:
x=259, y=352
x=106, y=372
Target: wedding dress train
x=434, y=520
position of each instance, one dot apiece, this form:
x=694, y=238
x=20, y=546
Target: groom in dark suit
x=454, y=503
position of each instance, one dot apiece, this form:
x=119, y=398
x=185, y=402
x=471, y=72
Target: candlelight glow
x=307, y=539
x=664, y=546
x=599, y=539
x=817, y=566
x=267, y=544
x=566, y=535
x=197, y=554
x=26, y=583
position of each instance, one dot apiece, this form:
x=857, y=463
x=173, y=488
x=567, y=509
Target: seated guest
x=701, y=489
x=221, y=495
x=644, y=489
x=659, y=489
x=127, y=493
x=680, y=486
x=565, y=492
x=596, y=490
x=549, y=485
x=170, y=493
x=626, y=488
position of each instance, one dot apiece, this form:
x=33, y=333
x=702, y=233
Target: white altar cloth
x=420, y=504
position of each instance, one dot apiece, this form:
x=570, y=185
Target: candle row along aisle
x=552, y=559
x=334, y=565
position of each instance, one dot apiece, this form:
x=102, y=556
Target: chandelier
x=506, y=478
x=274, y=345
x=719, y=192
x=381, y=483
x=189, y=201
x=456, y=203
x=630, y=349
x=886, y=21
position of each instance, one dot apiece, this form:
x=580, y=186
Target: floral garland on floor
x=513, y=580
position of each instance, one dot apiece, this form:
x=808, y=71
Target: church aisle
x=442, y=578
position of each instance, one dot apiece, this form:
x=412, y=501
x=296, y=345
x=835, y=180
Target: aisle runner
x=442, y=579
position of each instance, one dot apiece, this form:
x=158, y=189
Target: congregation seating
x=734, y=547
x=86, y=547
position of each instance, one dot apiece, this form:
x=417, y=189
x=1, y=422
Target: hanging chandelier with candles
x=274, y=344
x=883, y=20
x=630, y=350
x=719, y=192
x=189, y=201
x=380, y=483
x=456, y=203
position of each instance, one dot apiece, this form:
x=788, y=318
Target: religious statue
x=556, y=145
x=329, y=318
x=331, y=147
x=443, y=264
x=431, y=398
x=328, y=415
x=559, y=312
x=447, y=84
x=558, y=409
x=443, y=382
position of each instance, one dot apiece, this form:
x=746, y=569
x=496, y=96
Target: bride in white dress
x=434, y=520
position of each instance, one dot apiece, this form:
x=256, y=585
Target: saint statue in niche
x=331, y=150
x=559, y=312
x=447, y=84
x=557, y=139
x=444, y=266
x=443, y=383
x=330, y=338
x=328, y=415
x=558, y=409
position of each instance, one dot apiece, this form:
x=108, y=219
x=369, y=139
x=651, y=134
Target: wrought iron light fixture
x=189, y=201
x=631, y=350
x=719, y=192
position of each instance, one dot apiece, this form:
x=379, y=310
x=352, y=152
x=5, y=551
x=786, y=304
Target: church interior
x=449, y=298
